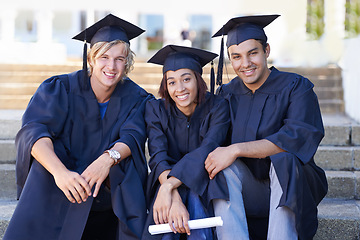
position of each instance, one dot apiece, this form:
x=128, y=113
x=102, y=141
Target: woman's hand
x=162, y=204
x=178, y=215
x=97, y=172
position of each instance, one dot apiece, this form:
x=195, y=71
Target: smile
x=248, y=72
x=183, y=97
x=110, y=74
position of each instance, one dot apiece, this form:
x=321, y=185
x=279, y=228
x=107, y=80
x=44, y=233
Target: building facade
x=309, y=33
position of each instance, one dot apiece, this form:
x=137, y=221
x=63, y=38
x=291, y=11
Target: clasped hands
x=169, y=208
x=77, y=187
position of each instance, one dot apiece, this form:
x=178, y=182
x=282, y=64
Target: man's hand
x=75, y=187
x=97, y=172
x=218, y=160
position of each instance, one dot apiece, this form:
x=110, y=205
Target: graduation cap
x=174, y=57
x=108, y=29
x=240, y=29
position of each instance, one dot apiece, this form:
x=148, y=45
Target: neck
x=101, y=92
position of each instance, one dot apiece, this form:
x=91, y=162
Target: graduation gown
x=181, y=145
x=285, y=111
x=69, y=115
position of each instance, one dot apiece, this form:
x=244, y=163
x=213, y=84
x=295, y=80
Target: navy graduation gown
x=181, y=145
x=64, y=111
x=285, y=111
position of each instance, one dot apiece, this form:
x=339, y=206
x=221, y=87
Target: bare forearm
x=43, y=152
x=255, y=149
x=123, y=149
x=222, y=157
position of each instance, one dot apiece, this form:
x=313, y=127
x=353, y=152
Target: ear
x=267, y=50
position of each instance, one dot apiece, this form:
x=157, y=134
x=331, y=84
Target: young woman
x=80, y=164
x=183, y=126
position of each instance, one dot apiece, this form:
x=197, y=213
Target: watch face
x=115, y=154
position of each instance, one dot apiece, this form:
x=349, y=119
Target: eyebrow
x=254, y=49
x=182, y=75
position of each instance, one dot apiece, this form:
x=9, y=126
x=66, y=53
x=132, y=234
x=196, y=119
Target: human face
x=249, y=61
x=182, y=88
x=109, y=68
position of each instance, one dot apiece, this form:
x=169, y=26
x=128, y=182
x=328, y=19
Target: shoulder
x=292, y=79
x=154, y=105
x=231, y=86
x=131, y=88
x=67, y=81
x=288, y=83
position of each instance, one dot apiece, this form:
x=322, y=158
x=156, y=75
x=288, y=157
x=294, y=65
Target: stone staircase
x=339, y=153
x=19, y=82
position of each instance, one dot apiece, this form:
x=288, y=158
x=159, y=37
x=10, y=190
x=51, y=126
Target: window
x=352, y=18
x=315, y=19
x=154, y=25
x=201, y=28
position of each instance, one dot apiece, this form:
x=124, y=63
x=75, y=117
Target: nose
x=111, y=64
x=246, y=62
x=180, y=87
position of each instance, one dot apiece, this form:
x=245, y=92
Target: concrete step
x=329, y=106
x=19, y=82
x=20, y=102
x=346, y=158
x=7, y=208
x=338, y=158
x=332, y=106
x=342, y=184
x=329, y=92
x=8, y=182
x=338, y=219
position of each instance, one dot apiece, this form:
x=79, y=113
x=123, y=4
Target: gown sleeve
x=302, y=128
x=190, y=170
x=133, y=134
x=158, y=143
x=44, y=116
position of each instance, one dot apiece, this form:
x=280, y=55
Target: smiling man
x=274, y=183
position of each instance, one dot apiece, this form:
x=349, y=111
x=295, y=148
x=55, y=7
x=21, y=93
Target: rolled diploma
x=193, y=224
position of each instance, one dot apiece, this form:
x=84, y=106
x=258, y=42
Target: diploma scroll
x=193, y=224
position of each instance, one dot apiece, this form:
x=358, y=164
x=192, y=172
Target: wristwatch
x=115, y=155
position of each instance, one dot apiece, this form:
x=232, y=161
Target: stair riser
x=344, y=229
x=8, y=151
x=8, y=182
x=338, y=158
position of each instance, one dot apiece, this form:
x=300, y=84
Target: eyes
x=118, y=59
x=238, y=56
x=172, y=82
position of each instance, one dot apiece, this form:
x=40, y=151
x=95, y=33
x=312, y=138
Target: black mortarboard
x=240, y=29
x=108, y=29
x=174, y=57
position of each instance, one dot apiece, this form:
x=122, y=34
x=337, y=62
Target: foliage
x=315, y=19
x=352, y=18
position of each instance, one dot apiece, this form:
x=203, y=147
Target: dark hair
x=263, y=43
x=201, y=86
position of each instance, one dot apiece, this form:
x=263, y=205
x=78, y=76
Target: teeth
x=182, y=96
x=110, y=74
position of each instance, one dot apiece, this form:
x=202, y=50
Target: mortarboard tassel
x=212, y=78
x=85, y=70
x=221, y=62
